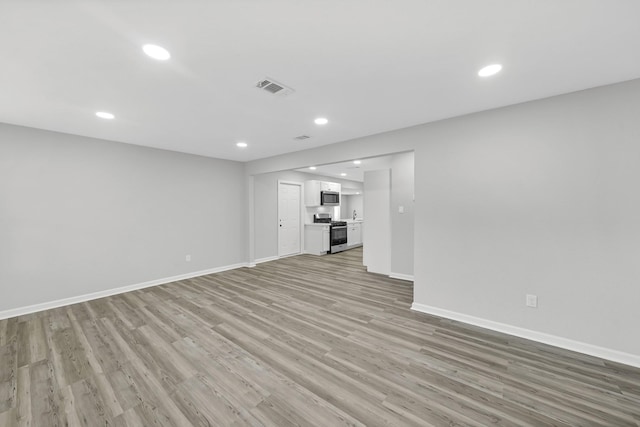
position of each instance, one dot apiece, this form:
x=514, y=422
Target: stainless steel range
x=338, y=234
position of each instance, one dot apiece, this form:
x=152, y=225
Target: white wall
x=350, y=203
x=80, y=215
x=536, y=198
x=376, y=255
x=402, y=190
x=540, y=198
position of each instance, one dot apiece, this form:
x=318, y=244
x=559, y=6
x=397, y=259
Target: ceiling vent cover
x=302, y=137
x=273, y=87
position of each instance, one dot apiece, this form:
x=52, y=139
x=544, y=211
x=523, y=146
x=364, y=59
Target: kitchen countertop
x=321, y=224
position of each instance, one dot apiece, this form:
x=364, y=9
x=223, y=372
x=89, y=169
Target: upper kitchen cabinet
x=330, y=186
x=313, y=193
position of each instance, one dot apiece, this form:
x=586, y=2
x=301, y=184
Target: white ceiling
x=367, y=65
x=353, y=172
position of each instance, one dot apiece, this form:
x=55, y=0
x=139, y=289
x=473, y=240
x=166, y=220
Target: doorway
x=289, y=218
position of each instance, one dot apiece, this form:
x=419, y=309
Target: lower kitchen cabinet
x=354, y=234
x=317, y=239
x=326, y=239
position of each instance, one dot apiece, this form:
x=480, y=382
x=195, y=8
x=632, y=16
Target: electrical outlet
x=400, y=209
x=532, y=301
x=188, y=258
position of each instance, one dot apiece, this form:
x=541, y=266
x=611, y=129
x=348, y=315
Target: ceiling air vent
x=273, y=87
x=302, y=137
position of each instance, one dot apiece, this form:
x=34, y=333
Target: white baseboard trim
x=272, y=258
x=580, y=347
x=400, y=276
x=266, y=259
x=108, y=292
x=314, y=253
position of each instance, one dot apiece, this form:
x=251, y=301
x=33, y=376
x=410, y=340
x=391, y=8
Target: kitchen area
x=387, y=210
x=334, y=219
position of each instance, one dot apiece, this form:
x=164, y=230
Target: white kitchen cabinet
x=330, y=186
x=317, y=239
x=312, y=193
x=326, y=239
x=313, y=188
x=354, y=234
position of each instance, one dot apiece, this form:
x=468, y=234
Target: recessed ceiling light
x=241, y=144
x=321, y=121
x=343, y=174
x=156, y=52
x=490, y=70
x=105, y=115
x=357, y=192
x=312, y=168
x=356, y=162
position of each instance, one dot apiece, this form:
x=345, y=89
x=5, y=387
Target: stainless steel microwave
x=329, y=198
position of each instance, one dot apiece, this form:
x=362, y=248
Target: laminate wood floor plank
x=23, y=412
x=47, y=399
x=304, y=373
x=9, y=373
x=205, y=403
x=8, y=418
x=304, y=340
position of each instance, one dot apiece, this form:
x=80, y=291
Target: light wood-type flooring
x=304, y=340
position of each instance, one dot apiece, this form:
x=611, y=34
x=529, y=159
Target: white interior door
x=289, y=226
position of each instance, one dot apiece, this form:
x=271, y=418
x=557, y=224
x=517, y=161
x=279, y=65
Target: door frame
x=302, y=222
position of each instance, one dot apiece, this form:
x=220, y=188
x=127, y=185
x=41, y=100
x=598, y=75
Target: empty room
x=319, y=213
